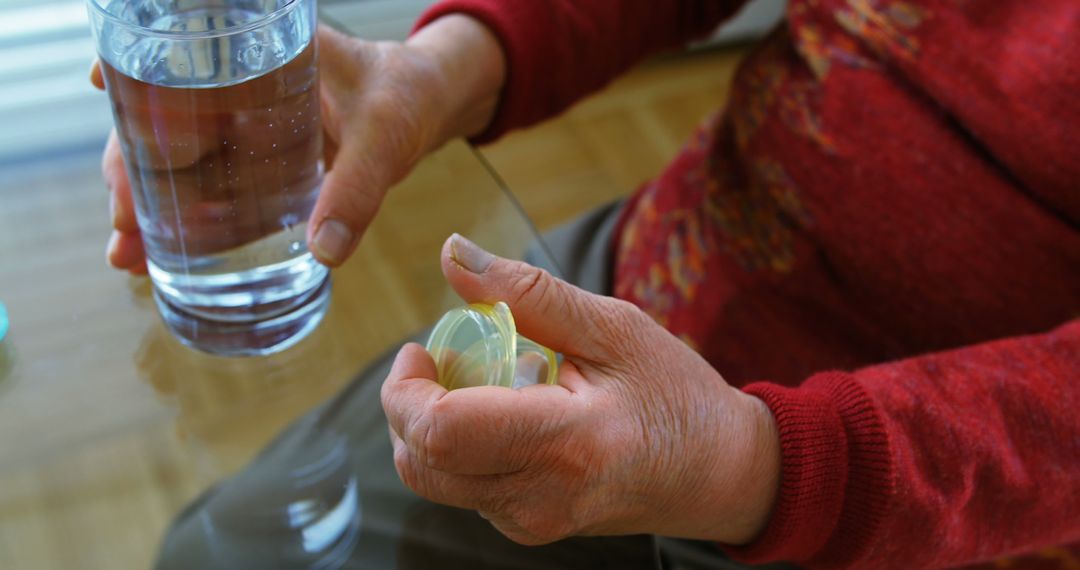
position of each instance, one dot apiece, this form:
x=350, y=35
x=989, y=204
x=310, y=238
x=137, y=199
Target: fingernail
x=469, y=255
x=333, y=241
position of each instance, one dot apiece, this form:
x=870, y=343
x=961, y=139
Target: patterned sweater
x=879, y=237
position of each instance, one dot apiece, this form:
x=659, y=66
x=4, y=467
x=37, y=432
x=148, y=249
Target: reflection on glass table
x=109, y=427
x=325, y=495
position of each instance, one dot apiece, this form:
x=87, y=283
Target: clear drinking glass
x=216, y=104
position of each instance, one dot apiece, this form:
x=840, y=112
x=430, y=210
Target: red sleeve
x=935, y=461
x=558, y=51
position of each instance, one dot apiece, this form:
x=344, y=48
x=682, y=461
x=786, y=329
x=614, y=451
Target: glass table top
x=121, y=448
x=109, y=427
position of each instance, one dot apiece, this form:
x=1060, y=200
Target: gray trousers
x=580, y=251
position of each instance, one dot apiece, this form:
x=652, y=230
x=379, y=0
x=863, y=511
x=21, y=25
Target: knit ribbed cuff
x=836, y=477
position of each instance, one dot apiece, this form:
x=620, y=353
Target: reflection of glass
x=308, y=510
x=330, y=481
x=217, y=110
x=225, y=405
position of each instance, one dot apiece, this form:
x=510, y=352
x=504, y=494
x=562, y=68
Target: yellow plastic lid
x=478, y=345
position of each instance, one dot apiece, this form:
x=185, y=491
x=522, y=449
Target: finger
x=486, y=430
x=367, y=162
x=116, y=181
x=125, y=251
x=122, y=210
x=409, y=391
x=171, y=133
x=139, y=269
x=478, y=492
x=330, y=152
x=547, y=310
x=112, y=162
x=492, y=430
x=349, y=198
x=96, y=79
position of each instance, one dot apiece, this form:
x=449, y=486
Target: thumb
x=546, y=309
x=350, y=196
x=364, y=168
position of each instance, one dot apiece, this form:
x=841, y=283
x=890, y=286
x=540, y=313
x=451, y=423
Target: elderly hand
x=640, y=435
x=384, y=106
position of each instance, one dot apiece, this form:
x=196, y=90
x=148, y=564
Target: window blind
x=48, y=106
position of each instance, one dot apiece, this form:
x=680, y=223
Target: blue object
x=3, y=322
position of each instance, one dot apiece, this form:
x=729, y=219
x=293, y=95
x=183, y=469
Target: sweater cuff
x=836, y=473
x=500, y=24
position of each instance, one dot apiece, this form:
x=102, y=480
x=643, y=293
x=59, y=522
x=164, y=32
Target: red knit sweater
x=893, y=191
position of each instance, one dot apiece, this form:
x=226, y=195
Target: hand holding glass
x=217, y=110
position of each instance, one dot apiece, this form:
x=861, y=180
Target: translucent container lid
x=478, y=345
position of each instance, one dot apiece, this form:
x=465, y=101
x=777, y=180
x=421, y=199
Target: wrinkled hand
x=384, y=105
x=640, y=435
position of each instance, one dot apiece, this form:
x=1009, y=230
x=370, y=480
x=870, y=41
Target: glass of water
x=216, y=104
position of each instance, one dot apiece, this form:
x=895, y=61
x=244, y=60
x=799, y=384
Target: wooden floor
x=605, y=147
